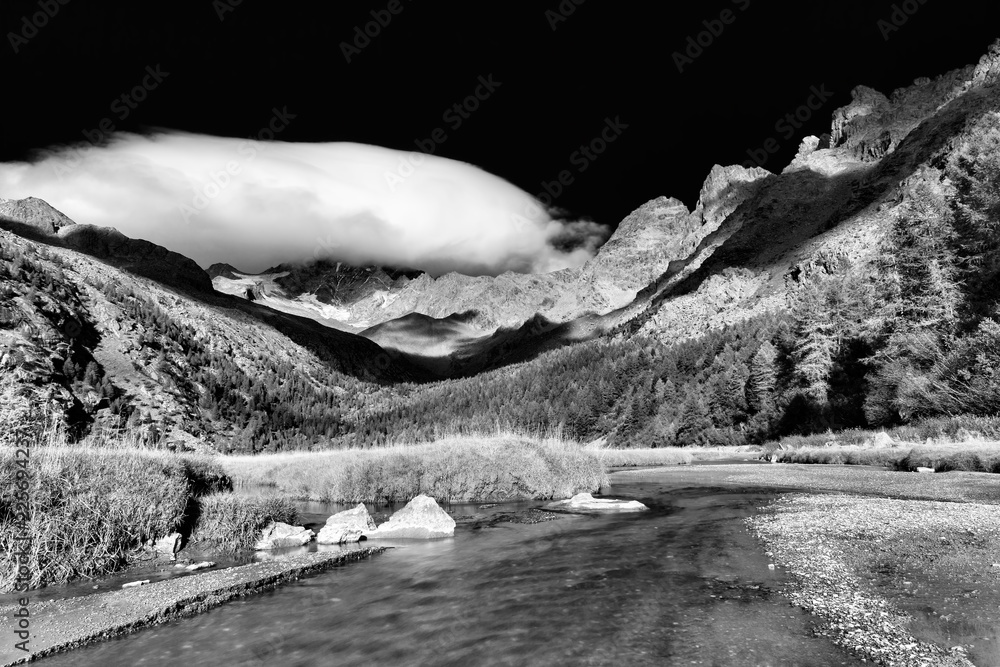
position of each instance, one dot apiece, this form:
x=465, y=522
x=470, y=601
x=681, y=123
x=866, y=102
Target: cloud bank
x=255, y=204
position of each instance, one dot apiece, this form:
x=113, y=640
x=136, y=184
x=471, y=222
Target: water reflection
x=681, y=584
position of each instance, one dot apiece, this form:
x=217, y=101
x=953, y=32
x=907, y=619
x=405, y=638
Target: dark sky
x=559, y=81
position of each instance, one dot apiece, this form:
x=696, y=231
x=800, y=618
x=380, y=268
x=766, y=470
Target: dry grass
x=93, y=505
x=459, y=468
x=91, y=509
x=231, y=522
x=665, y=456
x=967, y=456
x=970, y=444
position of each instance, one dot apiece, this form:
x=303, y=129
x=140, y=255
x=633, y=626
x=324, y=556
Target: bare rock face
x=725, y=189
x=421, y=519
x=856, y=125
x=988, y=69
x=347, y=526
x=586, y=503
x=277, y=535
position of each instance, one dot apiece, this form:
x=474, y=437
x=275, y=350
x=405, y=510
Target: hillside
x=95, y=343
x=857, y=288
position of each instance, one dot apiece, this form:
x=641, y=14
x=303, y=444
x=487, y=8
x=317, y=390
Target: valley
x=838, y=320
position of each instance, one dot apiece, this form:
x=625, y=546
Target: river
x=682, y=584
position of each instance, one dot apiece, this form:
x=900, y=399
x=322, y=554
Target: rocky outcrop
x=724, y=190
x=347, y=526
x=866, y=107
x=421, y=519
x=277, y=535
x=586, y=503
x=988, y=70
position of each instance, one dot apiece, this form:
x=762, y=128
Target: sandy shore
x=59, y=625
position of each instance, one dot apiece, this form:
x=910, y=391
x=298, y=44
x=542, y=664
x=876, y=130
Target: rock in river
x=584, y=502
x=277, y=535
x=347, y=526
x=420, y=519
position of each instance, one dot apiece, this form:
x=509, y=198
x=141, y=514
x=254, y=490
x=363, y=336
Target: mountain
x=101, y=330
x=856, y=288
x=641, y=248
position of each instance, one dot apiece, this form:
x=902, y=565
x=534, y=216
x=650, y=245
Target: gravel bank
x=850, y=554
x=899, y=568
x=59, y=625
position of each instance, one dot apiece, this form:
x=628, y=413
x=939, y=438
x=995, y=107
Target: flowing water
x=682, y=584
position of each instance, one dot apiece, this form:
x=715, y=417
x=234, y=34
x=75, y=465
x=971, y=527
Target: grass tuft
x=233, y=523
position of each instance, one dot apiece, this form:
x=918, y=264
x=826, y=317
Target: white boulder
x=168, y=545
x=278, y=534
x=420, y=519
x=584, y=502
x=347, y=526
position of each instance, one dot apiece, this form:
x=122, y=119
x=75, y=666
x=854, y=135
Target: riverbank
x=60, y=625
x=884, y=575
x=896, y=567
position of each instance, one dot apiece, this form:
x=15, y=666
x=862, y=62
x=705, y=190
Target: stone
x=421, y=519
x=168, y=545
x=883, y=439
x=347, y=526
x=277, y=535
x=205, y=564
x=584, y=502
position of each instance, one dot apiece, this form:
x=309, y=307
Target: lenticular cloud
x=254, y=204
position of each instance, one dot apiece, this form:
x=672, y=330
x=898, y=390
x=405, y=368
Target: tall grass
x=944, y=444
x=91, y=508
x=231, y=522
x=459, y=468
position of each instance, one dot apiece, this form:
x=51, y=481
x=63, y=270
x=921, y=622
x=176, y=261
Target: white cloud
x=256, y=204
